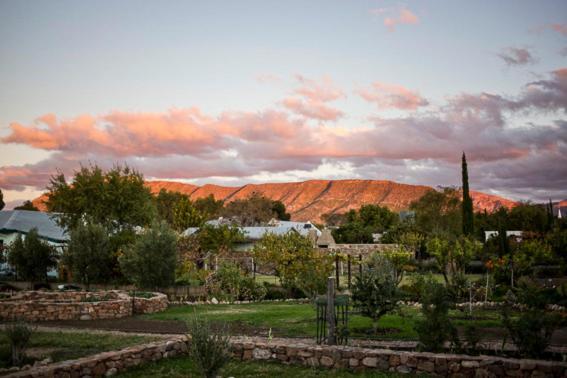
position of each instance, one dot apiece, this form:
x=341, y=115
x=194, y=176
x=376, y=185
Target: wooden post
x=360, y=264
x=337, y=273
x=331, y=337
x=349, y=271
x=254, y=268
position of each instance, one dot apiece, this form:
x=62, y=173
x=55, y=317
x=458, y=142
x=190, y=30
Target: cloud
x=404, y=17
x=515, y=143
x=392, y=96
x=310, y=99
x=513, y=56
x=559, y=28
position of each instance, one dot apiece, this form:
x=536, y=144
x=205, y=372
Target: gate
x=341, y=318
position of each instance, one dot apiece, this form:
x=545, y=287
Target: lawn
x=183, y=367
x=60, y=346
x=298, y=320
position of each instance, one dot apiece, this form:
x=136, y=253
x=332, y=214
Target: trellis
x=341, y=318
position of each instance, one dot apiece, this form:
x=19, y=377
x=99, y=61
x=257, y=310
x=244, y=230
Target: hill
x=308, y=200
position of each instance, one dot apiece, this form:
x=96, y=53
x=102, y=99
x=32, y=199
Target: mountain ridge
x=309, y=200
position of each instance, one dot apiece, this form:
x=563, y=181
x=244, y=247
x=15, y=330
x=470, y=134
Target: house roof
x=24, y=220
x=257, y=233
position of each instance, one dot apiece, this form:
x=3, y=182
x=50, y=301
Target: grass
x=183, y=367
x=298, y=320
x=61, y=346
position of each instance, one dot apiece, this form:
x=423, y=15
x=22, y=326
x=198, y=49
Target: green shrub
x=375, y=291
x=435, y=328
x=19, y=335
x=210, y=348
x=231, y=283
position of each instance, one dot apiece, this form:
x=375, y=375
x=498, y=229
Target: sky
x=236, y=92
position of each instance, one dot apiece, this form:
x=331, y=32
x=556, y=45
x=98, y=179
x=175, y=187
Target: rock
x=470, y=364
x=403, y=369
x=85, y=317
x=327, y=361
x=111, y=372
x=214, y=301
x=261, y=354
x=353, y=362
x=370, y=361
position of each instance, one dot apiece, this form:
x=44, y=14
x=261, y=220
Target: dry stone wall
x=76, y=305
x=292, y=352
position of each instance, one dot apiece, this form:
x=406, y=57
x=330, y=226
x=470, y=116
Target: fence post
x=337, y=273
x=349, y=271
x=331, y=337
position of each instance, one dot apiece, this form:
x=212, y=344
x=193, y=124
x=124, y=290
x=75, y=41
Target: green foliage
x=467, y=205
x=230, y=282
x=452, y=257
x=150, y=261
x=293, y=259
x=186, y=215
x=32, y=257
x=209, y=207
x=88, y=254
x=165, y=202
x=19, y=335
x=255, y=210
x=116, y=199
x=401, y=260
x=375, y=291
x=210, y=347
x=438, y=212
x=27, y=205
x=218, y=239
x=360, y=225
x=435, y=328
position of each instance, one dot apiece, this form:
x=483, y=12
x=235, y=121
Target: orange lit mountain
x=309, y=200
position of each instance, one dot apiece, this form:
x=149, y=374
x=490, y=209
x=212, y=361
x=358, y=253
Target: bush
x=435, y=328
x=19, y=335
x=210, y=348
x=375, y=291
x=231, y=283
x=275, y=292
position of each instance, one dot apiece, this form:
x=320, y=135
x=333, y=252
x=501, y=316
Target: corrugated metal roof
x=25, y=220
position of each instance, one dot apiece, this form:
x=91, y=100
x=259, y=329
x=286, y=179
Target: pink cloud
x=392, y=96
x=559, y=28
x=405, y=17
x=310, y=99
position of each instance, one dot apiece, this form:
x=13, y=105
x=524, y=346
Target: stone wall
x=447, y=365
x=156, y=303
x=359, y=249
x=108, y=363
x=292, y=352
x=76, y=305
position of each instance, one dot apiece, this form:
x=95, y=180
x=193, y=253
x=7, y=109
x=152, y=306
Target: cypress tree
x=468, y=225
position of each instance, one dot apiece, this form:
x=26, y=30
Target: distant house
x=20, y=222
x=491, y=234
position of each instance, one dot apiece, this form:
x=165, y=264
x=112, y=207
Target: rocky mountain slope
x=309, y=200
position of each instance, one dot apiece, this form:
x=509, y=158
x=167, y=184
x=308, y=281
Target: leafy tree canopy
x=438, y=212
x=32, y=257
x=209, y=207
x=116, y=198
x=2, y=204
x=255, y=210
x=150, y=261
x=361, y=224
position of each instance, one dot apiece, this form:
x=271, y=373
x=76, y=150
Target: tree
x=375, y=291
x=218, y=240
x=185, y=215
x=438, y=213
x=209, y=207
x=27, y=205
x=2, y=204
x=88, y=254
x=292, y=257
x=361, y=224
x=165, y=205
x=255, y=210
x=116, y=198
x=150, y=261
x=31, y=256
x=467, y=204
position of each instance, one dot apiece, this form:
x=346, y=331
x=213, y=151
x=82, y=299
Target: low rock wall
x=108, y=363
x=157, y=303
x=291, y=352
x=36, y=306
